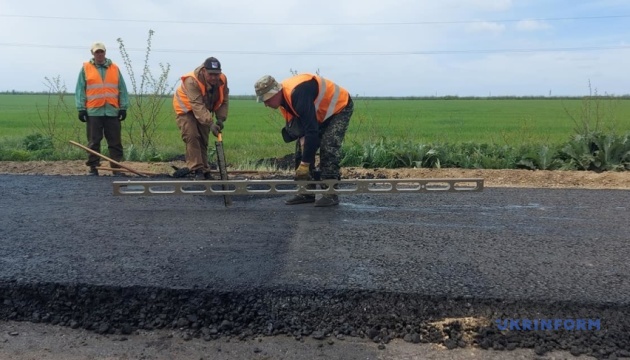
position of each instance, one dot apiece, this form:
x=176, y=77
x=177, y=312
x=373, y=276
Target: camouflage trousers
x=331, y=135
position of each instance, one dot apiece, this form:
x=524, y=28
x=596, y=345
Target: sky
x=371, y=48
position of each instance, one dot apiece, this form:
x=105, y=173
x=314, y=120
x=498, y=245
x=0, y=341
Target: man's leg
x=189, y=128
x=113, y=135
x=330, y=150
x=94, y=131
x=331, y=141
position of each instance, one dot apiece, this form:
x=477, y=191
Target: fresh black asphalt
x=378, y=266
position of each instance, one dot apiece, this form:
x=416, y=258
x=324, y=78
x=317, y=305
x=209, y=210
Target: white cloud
x=459, y=7
x=532, y=25
x=487, y=27
x=371, y=47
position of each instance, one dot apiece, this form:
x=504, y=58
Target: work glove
x=302, y=172
x=122, y=115
x=83, y=115
x=215, y=129
x=220, y=123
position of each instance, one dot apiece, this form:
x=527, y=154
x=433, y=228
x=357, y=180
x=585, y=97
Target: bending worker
x=317, y=112
x=203, y=92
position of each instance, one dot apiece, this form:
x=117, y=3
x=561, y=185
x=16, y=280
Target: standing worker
x=317, y=112
x=203, y=91
x=102, y=100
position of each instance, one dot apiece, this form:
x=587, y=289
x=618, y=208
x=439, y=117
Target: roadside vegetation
x=589, y=133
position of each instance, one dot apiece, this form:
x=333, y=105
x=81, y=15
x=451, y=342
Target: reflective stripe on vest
x=101, y=91
x=330, y=100
x=181, y=102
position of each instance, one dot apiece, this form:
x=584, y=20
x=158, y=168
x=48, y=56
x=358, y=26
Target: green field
x=252, y=131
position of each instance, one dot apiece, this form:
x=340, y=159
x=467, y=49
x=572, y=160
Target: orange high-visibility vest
x=331, y=99
x=101, y=91
x=181, y=102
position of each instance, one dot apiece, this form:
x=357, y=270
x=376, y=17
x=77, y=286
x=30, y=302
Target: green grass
x=252, y=131
x=511, y=122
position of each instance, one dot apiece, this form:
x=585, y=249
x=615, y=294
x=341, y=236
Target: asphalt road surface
x=436, y=268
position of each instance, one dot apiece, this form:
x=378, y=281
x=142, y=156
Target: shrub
x=598, y=152
x=38, y=141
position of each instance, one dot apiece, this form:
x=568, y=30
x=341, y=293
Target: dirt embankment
x=492, y=178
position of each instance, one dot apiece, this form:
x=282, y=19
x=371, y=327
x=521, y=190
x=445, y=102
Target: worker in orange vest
x=102, y=101
x=202, y=93
x=317, y=112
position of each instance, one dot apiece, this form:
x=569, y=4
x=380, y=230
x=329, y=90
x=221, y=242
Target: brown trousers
x=97, y=126
x=196, y=137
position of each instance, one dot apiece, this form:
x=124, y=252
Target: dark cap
x=212, y=65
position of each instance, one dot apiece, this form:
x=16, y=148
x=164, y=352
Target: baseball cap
x=266, y=87
x=98, y=46
x=212, y=65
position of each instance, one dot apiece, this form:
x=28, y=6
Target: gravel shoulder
x=29, y=341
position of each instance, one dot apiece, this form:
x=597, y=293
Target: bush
x=38, y=141
x=598, y=152
x=15, y=155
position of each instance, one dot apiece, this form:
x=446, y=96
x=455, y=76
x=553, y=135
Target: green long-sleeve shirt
x=108, y=110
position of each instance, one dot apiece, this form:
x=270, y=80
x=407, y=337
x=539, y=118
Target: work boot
x=301, y=199
x=327, y=200
x=181, y=172
x=93, y=171
x=199, y=175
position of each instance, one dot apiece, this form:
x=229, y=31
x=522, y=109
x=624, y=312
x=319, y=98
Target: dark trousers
x=331, y=135
x=99, y=126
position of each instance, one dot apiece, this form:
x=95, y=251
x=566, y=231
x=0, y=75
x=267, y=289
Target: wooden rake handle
x=106, y=158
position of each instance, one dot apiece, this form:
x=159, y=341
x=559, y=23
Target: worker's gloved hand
x=220, y=123
x=83, y=115
x=215, y=129
x=122, y=115
x=302, y=172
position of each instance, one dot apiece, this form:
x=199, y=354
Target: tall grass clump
x=145, y=115
x=50, y=141
x=597, y=144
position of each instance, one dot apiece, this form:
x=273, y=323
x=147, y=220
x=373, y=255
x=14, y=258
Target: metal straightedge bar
x=265, y=187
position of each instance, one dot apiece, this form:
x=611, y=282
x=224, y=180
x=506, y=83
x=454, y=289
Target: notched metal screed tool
x=291, y=187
